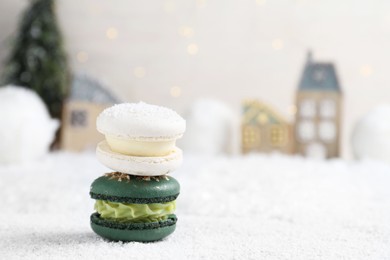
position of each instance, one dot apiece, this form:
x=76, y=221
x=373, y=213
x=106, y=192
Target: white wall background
x=171, y=52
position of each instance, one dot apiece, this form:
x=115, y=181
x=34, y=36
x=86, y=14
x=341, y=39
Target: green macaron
x=134, y=208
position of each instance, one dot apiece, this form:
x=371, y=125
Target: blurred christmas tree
x=38, y=60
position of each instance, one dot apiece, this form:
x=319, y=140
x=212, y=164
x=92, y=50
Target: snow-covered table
x=252, y=207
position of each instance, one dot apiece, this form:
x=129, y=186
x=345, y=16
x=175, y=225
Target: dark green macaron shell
x=124, y=188
x=128, y=232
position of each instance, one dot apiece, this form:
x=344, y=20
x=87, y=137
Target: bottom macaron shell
x=138, y=165
x=133, y=233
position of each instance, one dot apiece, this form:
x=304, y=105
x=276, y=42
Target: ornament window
x=306, y=130
x=78, y=118
x=327, y=131
x=278, y=135
x=307, y=108
x=251, y=136
x=328, y=108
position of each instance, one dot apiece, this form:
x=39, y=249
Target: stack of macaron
x=136, y=202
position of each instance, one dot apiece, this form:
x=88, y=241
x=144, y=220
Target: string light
x=263, y=118
x=140, y=72
x=366, y=70
x=96, y=9
x=292, y=110
x=186, y=31
x=169, y=6
x=82, y=56
x=200, y=3
x=175, y=91
x=192, y=49
x=112, y=33
x=261, y=2
x=277, y=44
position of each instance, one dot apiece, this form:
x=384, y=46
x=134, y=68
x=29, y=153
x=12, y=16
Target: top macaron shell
x=117, y=187
x=141, y=121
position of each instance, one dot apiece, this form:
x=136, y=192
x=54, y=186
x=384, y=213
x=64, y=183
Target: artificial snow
x=26, y=129
x=132, y=120
x=371, y=135
x=254, y=207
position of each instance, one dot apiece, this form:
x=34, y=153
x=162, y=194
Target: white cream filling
x=140, y=148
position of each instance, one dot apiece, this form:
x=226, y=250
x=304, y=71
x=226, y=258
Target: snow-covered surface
x=255, y=207
x=371, y=135
x=140, y=121
x=26, y=129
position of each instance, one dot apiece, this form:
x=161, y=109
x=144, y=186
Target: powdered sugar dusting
x=140, y=120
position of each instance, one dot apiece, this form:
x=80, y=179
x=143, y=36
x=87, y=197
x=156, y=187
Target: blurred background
x=199, y=56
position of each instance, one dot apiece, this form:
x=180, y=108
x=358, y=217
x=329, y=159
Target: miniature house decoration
x=263, y=130
x=87, y=98
x=318, y=102
x=317, y=128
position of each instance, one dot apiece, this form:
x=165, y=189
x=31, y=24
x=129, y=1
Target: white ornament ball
x=26, y=129
x=210, y=128
x=371, y=135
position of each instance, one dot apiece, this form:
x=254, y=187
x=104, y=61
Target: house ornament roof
x=319, y=76
x=86, y=88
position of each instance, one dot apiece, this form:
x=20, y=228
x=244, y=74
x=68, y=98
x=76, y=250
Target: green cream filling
x=127, y=212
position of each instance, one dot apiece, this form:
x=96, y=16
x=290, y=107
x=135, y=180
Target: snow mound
x=211, y=128
x=371, y=135
x=26, y=129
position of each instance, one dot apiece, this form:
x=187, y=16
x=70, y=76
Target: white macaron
x=136, y=130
